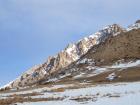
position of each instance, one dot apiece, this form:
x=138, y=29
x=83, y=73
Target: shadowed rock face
x=73, y=52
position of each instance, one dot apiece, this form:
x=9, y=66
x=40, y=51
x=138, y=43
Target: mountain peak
x=136, y=25
x=138, y=21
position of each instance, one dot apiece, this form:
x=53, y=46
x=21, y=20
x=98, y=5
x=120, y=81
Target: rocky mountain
x=108, y=45
x=117, y=59
x=134, y=26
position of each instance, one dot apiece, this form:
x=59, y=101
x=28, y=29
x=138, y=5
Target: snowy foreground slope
x=105, y=94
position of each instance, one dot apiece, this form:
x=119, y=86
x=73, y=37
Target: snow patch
x=70, y=49
x=126, y=65
x=133, y=26
x=85, y=60
x=111, y=76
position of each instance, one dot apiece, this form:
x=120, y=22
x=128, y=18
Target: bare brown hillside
x=123, y=46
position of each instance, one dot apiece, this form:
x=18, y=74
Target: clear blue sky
x=31, y=30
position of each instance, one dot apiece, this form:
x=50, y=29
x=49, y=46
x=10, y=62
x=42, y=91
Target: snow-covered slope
x=102, y=94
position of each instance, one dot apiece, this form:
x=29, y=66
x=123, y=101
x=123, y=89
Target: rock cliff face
x=70, y=54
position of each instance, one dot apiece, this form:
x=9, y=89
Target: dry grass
x=84, y=98
x=19, y=99
x=58, y=90
x=111, y=95
x=25, y=95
